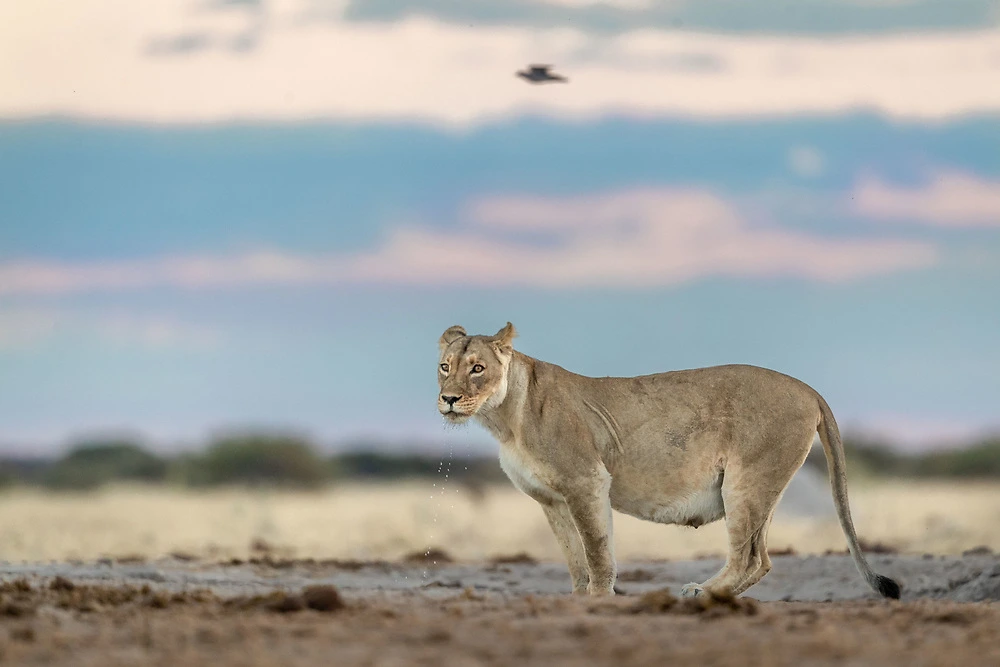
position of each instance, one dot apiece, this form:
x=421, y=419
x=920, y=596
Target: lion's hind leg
x=761, y=552
x=747, y=561
x=750, y=503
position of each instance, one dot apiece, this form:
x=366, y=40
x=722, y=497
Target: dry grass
x=388, y=522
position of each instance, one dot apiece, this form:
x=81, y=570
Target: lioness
x=686, y=447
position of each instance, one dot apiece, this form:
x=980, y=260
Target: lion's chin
x=455, y=417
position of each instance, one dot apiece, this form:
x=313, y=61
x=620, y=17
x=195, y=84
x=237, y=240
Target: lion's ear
x=450, y=336
x=504, y=339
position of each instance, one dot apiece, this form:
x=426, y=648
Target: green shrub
x=257, y=460
x=368, y=465
x=980, y=460
x=93, y=464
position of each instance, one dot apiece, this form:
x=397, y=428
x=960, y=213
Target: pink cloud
x=627, y=239
x=657, y=237
x=24, y=328
x=951, y=199
x=59, y=277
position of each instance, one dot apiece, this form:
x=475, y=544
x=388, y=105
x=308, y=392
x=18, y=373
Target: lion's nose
x=450, y=400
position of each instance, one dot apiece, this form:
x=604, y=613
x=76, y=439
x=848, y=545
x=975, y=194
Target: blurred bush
x=92, y=464
x=255, y=460
x=979, y=460
x=380, y=466
x=15, y=471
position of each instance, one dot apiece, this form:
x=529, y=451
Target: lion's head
x=472, y=371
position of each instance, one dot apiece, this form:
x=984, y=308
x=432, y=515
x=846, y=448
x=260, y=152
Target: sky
x=229, y=214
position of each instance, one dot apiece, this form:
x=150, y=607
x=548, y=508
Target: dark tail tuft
x=886, y=587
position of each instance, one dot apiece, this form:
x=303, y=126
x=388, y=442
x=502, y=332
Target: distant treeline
x=293, y=462
x=868, y=457
x=246, y=460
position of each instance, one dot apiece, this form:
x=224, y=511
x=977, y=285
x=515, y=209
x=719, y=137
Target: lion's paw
x=691, y=590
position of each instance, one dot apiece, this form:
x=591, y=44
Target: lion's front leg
x=561, y=522
x=590, y=508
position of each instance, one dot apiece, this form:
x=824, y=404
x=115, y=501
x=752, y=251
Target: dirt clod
x=521, y=558
x=322, y=598
x=981, y=550
x=260, y=545
x=284, y=603
x=19, y=585
x=877, y=547
x=655, y=602
x=432, y=555
x=183, y=556
x=130, y=559
x=722, y=603
x=782, y=551
x=158, y=600
x=16, y=609
x=353, y=565
x=61, y=584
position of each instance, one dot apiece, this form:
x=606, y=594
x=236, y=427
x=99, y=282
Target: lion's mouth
x=454, y=416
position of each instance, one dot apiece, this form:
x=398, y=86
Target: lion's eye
x=445, y=368
x=478, y=368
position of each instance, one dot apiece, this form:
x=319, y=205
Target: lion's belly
x=694, y=506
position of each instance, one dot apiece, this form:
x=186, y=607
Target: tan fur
x=685, y=447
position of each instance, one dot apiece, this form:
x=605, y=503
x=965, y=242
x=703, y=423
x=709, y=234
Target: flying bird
x=541, y=74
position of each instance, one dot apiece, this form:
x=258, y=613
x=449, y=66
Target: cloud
x=22, y=328
x=646, y=238
x=951, y=198
x=630, y=238
x=835, y=17
x=186, y=272
x=230, y=65
x=179, y=44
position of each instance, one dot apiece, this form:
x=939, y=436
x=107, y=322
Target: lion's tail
x=829, y=434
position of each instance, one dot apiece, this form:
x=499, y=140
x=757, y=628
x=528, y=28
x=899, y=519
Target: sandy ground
x=810, y=610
